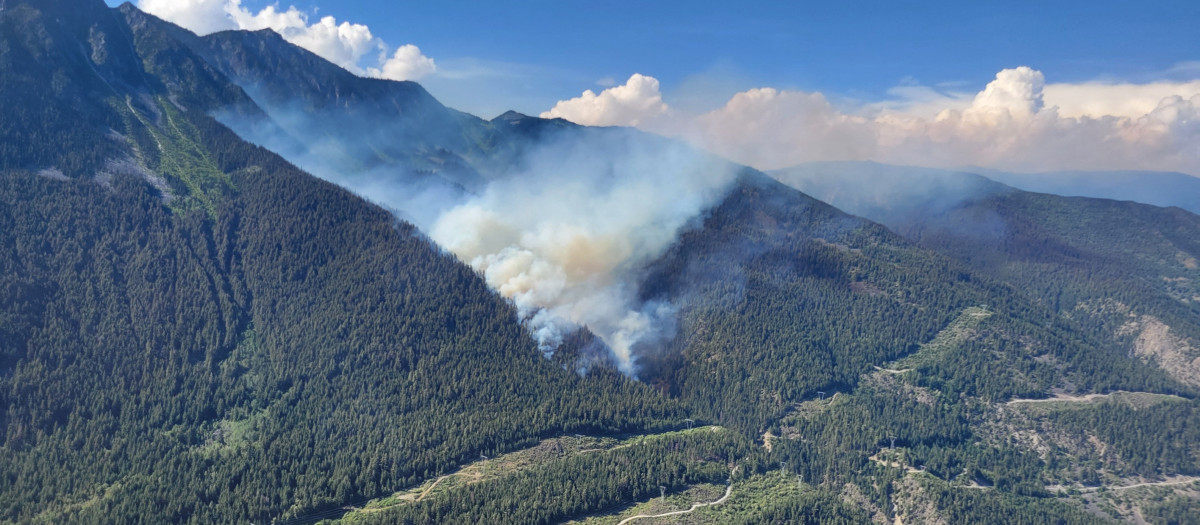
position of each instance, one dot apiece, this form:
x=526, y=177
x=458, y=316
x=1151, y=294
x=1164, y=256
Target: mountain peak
x=511, y=116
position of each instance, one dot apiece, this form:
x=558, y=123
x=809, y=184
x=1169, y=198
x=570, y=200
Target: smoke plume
x=563, y=229
x=566, y=236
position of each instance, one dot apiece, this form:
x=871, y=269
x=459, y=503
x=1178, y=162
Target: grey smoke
x=563, y=228
x=567, y=234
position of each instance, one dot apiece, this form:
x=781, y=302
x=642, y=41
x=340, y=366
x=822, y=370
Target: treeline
x=1176, y=510
x=1005, y=468
x=1005, y=357
x=831, y=447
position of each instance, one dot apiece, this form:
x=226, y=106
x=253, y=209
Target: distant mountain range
x=1147, y=187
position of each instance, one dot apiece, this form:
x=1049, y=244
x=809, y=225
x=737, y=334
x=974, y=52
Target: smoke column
x=566, y=237
x=563, y=231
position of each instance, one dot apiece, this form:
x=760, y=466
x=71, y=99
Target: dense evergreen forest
x=238, y=340
x=1115, y=268
x=784, y=296
x=193, y=330
x=1068, y=260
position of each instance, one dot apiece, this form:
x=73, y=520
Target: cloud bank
x=1016, y=122
x=351, y=46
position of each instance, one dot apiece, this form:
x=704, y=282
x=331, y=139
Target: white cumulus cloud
x=1016, y=93
x=346, y=44
x=636, y=102
x=200, y=16
x=1017, y=121
x=407, y=63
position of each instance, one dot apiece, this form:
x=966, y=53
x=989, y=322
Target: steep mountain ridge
x=313, y=104
x=56, y=67
x=196, y=331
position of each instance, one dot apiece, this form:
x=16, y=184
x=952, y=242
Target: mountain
x=1148, y=187
x=835, y=343
x=360, y=127
x=294, y=85
x=310, y=106
x=196, y=331
x=783, y=295
x=1126, y=271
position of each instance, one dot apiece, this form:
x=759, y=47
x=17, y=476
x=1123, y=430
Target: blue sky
x=856, y=49
x=1028, y=86
x=543, y=51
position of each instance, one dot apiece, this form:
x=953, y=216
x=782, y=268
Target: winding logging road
x=1089, y=397
x=728, y=491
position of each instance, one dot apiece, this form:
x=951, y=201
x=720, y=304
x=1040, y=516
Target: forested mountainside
x=194, y=330
x=1123, y=270
x=856, y=377
x=784, y=296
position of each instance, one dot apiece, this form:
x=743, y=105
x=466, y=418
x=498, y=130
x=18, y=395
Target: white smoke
x=345, y=44
x=566, y=238
x=1016, y=93
x=564, y=231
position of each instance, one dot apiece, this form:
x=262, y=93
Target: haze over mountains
x=196, y=329
x=1158, y=188
x=1123, y=267
x=1163, y=189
